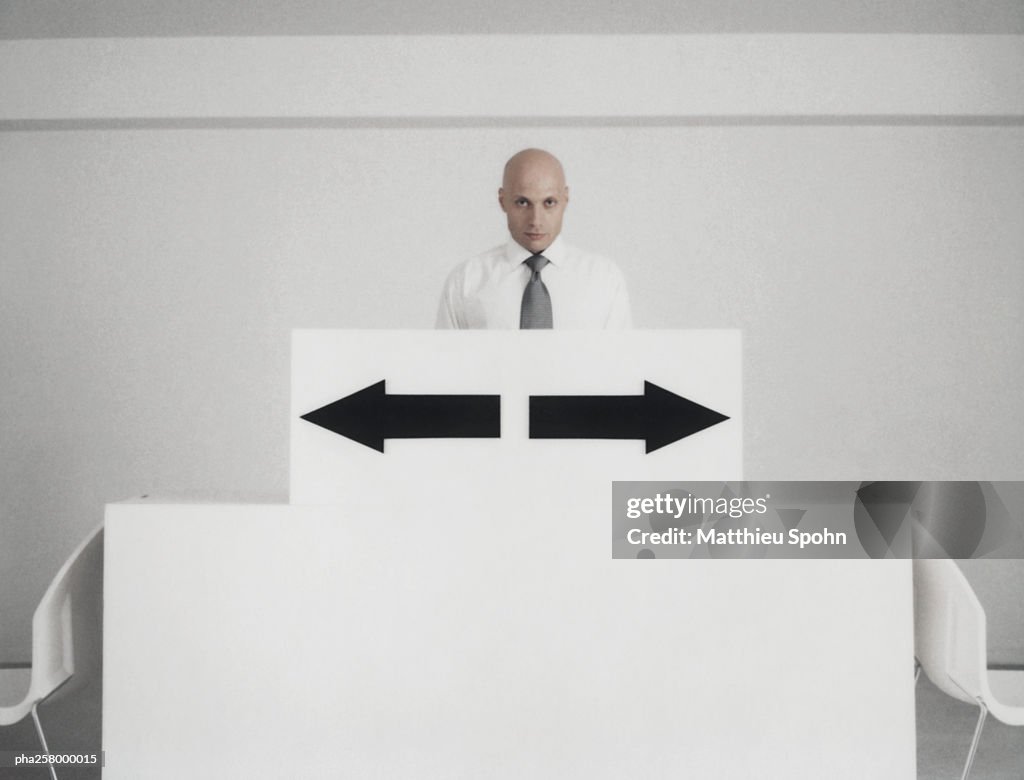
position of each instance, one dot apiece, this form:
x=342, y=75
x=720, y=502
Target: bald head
x=533, y=196
x=531, y=163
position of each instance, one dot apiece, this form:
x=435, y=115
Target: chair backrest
x=949, y=629
x=67, y=627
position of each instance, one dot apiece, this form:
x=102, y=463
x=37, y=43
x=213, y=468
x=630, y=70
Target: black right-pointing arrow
x=658, y=417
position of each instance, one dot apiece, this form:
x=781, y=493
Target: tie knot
x=537, y=263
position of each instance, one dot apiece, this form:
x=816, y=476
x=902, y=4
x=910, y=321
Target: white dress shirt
x=587, y=291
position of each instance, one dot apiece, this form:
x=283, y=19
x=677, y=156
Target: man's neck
x=539, y=251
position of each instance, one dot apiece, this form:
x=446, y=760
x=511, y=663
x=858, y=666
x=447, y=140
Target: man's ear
x=501, y=198
x=567, y=195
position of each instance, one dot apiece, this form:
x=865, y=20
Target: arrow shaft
x=442, y=417
x=587, y=417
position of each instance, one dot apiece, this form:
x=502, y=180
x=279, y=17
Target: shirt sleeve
x=449, y=311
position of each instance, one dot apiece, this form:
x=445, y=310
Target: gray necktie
x=535, y=311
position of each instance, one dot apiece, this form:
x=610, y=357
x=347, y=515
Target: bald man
x=534, y=279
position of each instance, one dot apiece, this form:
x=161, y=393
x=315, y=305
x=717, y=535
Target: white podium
x=449, y=608
x=370, y=642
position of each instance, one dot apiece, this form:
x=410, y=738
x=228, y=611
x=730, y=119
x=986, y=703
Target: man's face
x=534, y=197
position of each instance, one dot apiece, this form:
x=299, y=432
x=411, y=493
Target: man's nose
x=535, y=216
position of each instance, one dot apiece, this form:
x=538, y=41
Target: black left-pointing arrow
x=370, y=416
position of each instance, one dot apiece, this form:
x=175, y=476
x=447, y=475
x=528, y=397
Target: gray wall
x=151, y=273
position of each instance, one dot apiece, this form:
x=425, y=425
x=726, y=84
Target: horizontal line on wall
x=779, y=79
x=387, y=122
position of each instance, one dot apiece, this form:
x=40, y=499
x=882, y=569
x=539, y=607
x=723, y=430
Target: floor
x=72, y=726
x=944, y=730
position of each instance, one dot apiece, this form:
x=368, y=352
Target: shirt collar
x=515, y=254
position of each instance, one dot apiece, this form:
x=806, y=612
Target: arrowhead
x=671, y=417
x=359, y=417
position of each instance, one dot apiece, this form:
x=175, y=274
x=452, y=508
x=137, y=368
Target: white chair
x=67, y=634
x=950, y=645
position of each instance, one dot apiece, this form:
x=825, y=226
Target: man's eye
x=550, y=202
x=521, y=202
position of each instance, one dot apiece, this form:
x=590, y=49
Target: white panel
x=487, y=641
x=702, y=366
x=517, y=76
